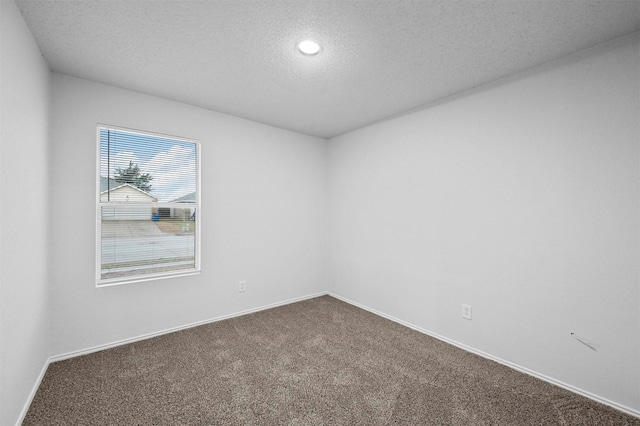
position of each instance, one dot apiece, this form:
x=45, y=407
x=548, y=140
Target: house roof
x=108, y=184
x=188, y=198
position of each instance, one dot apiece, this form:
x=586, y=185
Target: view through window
x=148, y=205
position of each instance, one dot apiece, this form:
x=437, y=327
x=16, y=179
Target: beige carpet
x=316, y=362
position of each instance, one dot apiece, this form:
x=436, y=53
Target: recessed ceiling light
x=308, y=47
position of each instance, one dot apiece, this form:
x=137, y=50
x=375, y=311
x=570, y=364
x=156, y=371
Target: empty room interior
x=456, y=176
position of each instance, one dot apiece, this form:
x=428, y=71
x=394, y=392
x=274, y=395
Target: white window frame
x=100, y=282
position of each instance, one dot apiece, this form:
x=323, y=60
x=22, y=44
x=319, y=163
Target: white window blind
x=147, y=206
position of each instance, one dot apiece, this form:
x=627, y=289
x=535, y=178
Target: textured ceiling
x=378, y=59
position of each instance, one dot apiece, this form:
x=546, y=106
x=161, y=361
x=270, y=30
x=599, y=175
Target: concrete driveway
x=130, y=229
x=129, y=245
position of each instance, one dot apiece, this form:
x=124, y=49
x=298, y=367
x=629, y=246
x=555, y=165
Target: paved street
x=130, y=228
x=128, y=245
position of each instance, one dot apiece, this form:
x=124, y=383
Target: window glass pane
x=160, y=169
x=139, y=240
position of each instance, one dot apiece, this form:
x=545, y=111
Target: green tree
x=133, y=176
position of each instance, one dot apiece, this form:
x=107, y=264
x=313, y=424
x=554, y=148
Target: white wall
x=24, y=282
x=520, y=199
x=263, y=217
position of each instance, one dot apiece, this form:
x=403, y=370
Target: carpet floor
x=315, y=362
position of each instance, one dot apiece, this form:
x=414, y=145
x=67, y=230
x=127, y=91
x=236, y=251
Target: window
x=148, y=206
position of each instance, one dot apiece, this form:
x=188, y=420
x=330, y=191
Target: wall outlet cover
x=466, y=311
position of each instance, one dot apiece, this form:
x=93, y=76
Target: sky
x=171, y=163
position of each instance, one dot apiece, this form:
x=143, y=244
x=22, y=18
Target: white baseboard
x=32, y=394
x=144, y=337
x=179, y=328
x=517, y=367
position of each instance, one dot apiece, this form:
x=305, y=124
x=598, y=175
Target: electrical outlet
x=242, y=286
x=466, y=311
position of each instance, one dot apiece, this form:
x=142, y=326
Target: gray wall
x=520, y=199
x=24, y=226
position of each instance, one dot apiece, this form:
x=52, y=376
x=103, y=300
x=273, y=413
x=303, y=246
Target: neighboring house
x=111, y=190
x=186, y=212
